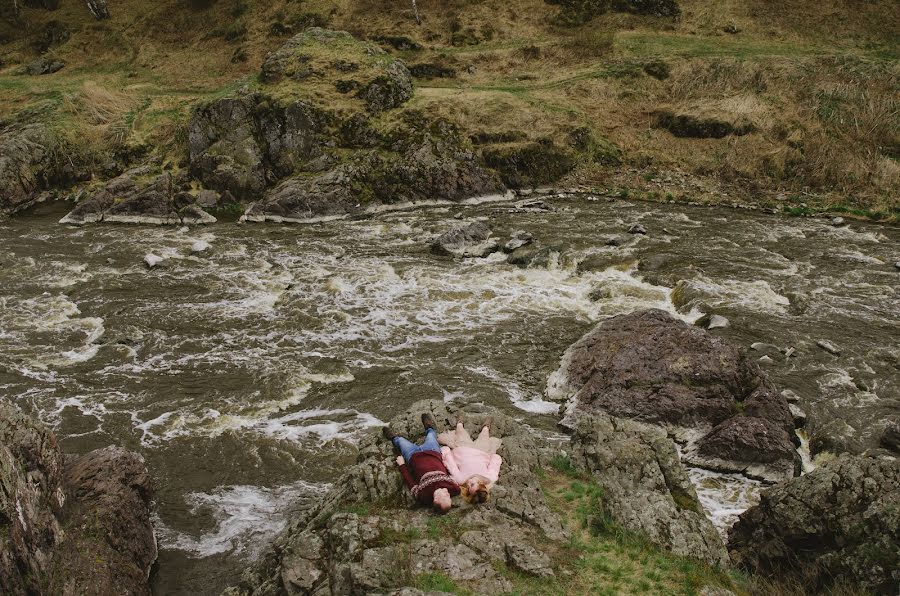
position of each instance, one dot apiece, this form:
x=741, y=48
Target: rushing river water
x=246, y=374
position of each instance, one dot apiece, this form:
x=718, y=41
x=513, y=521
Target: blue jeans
x=408, y=448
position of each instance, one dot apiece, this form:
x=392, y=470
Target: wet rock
x=518, y=240
x=897, y=265
x=151, y=260
x=890, y=437
x=653, y=368
x=27, y=165
x=699, y=126
x=535, y=205
x=637, y=229
x=709, y=321
x=829, y=347
x=645, y=488
x=833, y=436
x=529, y=164
x=790, y=396
x=837, y=221
x=71, y=526
x=200, y=246
x=756, y=447
x=839, y=521
x=615, y=241
x=135, y=198
x=472, y=240
x=765, y=360
x=533, y=256
x=798, y=414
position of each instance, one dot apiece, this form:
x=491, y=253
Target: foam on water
x=724, y=496
x=247, y=518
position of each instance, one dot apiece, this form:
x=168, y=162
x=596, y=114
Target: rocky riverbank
x=71, y=524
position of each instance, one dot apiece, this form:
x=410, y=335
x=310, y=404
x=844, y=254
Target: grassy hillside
x=816, y=83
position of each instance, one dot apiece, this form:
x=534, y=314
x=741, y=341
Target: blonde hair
x=479, y=495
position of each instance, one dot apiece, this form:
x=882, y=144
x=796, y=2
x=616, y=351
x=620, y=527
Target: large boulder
x=139, y=196
x=706, y=392
x=337, y=547
x=646, y=490
x=71, y=525
x=423, y=162
x=245, y=143
x=841, y=521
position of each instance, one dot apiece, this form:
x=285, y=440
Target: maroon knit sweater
x=425, y=473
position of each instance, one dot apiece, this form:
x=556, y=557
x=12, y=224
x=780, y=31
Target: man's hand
x=400, y=460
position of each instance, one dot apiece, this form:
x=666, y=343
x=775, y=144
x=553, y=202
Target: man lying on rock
x=423, y=469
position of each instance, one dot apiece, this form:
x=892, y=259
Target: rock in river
x=840, y=521
x=71, y=525
x=705, y=391
x=473, y=240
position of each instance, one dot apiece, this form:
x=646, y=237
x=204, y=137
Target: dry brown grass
x=102, y=111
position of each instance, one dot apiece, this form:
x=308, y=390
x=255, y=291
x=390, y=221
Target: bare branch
x=98, y=9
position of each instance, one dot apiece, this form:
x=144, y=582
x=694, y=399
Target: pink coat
x=465, y=462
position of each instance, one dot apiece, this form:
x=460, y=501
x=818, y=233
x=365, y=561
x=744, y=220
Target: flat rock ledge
x=71, y=524
x=840, y=521
x=707, y=393
x=365, y=536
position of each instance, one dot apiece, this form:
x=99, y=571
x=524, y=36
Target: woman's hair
x=479, y=495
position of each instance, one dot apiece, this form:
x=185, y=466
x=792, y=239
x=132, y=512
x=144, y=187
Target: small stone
x=152, y=260
x=790, y=396
x=837, y=221
x=110, y=261
x=765, y=360
x=890, y=438
x=458, y=215
x=637, y=229
x=717, y=322
x=897, y=265
x=829, y=347
x=519, y=239
x=798, y=414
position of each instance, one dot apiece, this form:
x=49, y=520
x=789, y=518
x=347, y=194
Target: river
x=245, y=374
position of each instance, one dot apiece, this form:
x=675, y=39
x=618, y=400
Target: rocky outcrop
x=473, y=240
x=141, y=197
x=333, y=549
x=645, y=488
x=243, y=144
x=27, y=165
x=423, y=162
x=705, y=391
x=71, y=525
x=364, y=536
x=841, y=521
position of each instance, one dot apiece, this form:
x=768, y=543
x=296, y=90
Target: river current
x=246, y=374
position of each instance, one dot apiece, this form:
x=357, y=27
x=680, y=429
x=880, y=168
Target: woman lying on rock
x=474, y=465
x=423, y=468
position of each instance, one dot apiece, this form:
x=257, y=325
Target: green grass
x=602, y=558
x=437, y=582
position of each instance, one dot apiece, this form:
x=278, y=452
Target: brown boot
x=460, y=417
x=489, y=421
x=388, y=434
x=427, y=420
